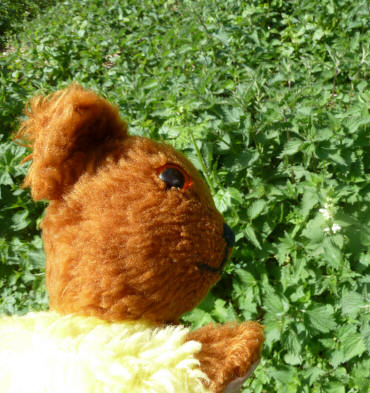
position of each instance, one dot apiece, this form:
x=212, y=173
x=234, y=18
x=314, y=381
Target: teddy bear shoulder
x=86, y=354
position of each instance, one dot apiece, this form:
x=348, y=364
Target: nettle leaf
x=337, y=158
x=255, y=208
x=20, y=220
x=329, y=343
x=313, y=374
x=223, y=312
x=251, y=236
x=6, y=179
x=285, y=375
x=275, y=304
x=336, y=358
x=334, y=387
x=197, y=318
x=236, y=196
x=37, y=258
x=354, y=124
x=226, y=198
x=309, y=200
x=232, y=115
x=351, y=342
x=365, y=260
x=222, y=200
x=360, y=375
x=292, y=359
x=272, y=331
x=294, y=348
x=322, y=318
x=351, y=303
x=365, y=330
x=293, y=146
x=304, y=110
x=314, y=229
x=332, y=253
x=245, y=278
x=247, y=304
x=242, y=160
x=353, y=345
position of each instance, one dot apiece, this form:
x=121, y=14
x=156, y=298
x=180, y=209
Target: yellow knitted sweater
x=49, y=353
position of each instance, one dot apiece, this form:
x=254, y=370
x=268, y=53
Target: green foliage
x=14, y=11
x=21, y=257
x=270, y=102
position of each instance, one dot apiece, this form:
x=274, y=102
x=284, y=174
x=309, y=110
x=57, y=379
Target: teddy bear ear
x=66, y=130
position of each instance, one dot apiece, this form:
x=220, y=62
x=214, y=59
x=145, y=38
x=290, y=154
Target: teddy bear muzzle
x=229, y=237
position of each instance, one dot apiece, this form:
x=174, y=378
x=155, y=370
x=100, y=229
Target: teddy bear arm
x=229, y=352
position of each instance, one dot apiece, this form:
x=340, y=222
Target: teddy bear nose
x=229, y=236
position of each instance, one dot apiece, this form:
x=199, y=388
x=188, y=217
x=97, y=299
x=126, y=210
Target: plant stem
x=202, y=164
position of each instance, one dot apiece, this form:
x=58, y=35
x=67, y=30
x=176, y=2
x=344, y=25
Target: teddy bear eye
x=174, y=176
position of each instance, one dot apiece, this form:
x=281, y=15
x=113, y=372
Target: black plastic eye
x=172, y=177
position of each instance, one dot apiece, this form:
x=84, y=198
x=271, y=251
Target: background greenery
x=270, y=100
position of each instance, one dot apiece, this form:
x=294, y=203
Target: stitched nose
x=229, y=236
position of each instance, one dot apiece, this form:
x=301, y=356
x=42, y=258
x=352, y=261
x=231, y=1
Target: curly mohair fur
x=46, y=352
x=120, y=245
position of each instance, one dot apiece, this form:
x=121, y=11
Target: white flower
x=336, y=228
x=328, y=213
x=325, y=212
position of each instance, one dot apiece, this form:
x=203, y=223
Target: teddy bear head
x=131, y=230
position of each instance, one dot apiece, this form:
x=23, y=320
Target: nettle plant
x=270, y=102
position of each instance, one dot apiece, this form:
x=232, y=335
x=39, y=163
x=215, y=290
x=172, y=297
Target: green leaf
x=309, y=200
x=251, y=236
x=292, y=147
x=222, y=200
x=6, y=179
x=365, y=330
x=334, y=387
x=255, y=208
x=360, y=375
x=304, y=110
x=322, y=318
x=20, y=220
x=274, y=304
x=284, y=375
x=336, y=157
x=314, y=229
x=236, y=197
x=354, y=124
x=336, y=358
x=294, y=348
x=223, y=312
x=232, y=115
x=332, y=253
x=245, y=278
x=352, y=343
x=313, y=373
x=351, y=303
x=197, y=318
x=272, y=331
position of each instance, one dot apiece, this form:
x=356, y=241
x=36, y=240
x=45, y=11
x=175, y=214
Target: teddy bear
x=133, y=240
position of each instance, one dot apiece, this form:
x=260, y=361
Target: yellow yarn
x=50, y=353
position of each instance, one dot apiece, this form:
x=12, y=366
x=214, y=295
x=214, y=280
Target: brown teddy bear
x=132, y=240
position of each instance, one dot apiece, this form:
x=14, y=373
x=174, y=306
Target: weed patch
x=270, y=102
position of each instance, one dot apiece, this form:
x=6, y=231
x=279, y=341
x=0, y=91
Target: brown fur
x=228, y=351
x=118, y=244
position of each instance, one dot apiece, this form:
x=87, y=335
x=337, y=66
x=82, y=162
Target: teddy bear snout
x=229, y=236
